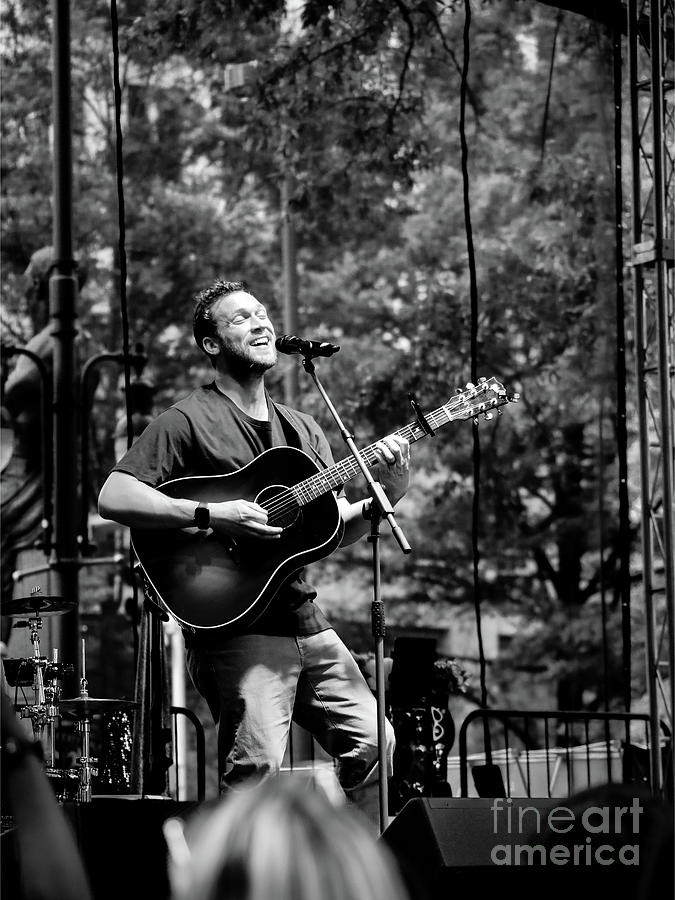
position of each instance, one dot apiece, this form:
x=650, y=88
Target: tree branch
x=405, y=13
x=546, y=570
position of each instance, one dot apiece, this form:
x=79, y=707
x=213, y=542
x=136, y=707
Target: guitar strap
x=293, y=436
x=301, y=591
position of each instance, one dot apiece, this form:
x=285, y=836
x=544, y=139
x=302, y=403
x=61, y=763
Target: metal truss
x=650, y=73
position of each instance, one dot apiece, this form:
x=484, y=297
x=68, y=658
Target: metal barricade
x=200, y=751
x=549, y=753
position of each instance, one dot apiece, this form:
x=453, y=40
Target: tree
x=358, y=104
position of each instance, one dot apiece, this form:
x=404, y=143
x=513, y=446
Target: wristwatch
x=202, y=517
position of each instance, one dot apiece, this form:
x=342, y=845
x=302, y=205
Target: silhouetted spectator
x=619, y=836
x=40, y=858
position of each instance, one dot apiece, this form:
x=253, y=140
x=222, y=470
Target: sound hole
x=282, y=509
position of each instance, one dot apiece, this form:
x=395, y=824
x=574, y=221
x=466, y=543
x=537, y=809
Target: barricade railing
x=200, y=750
x=549, y=753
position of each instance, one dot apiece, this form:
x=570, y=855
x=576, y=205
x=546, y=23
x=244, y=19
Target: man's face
x=245, y=334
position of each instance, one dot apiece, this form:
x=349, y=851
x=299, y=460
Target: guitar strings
x=287, y=500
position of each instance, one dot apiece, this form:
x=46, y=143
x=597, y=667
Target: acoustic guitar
x=207, y=580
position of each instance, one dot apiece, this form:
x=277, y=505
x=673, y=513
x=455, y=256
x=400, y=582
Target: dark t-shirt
x=207, y=434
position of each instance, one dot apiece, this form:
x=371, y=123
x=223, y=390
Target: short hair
x=203, y=324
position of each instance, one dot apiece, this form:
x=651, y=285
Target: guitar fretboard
x=340, y=473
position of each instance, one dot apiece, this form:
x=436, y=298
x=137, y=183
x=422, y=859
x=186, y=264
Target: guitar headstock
x=479, y=400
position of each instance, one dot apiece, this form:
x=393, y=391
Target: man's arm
x=393, y=473
x=128, y=501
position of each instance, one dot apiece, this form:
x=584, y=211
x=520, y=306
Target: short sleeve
x=161, y=452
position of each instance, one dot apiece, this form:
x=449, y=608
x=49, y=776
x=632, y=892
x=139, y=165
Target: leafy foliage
x=355, y=107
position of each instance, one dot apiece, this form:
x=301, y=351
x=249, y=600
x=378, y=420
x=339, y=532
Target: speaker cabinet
x=523, y=847
x=122, y=844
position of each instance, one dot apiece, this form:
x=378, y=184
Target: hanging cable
x=474, y=353
x=547, y=103
x=601, y=526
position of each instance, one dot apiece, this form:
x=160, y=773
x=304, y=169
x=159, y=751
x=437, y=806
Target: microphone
x=289, y=343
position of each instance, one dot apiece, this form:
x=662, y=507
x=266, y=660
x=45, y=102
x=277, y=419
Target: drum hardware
x=65, y=782
x=35, y=606
x=45, y=674
x=83, y=708
x=114, y=767
x=47, y=678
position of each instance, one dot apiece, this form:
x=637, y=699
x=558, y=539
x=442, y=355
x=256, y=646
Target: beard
x=240, y=361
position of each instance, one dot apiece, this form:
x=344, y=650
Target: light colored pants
x=256, y=684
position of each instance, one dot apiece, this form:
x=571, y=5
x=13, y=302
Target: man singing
x=289, y=664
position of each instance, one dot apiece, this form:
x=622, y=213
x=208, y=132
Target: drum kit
x=45, y=675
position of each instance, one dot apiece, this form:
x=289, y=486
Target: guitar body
x=210, y=581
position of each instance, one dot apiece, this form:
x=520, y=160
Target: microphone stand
x=380, y=508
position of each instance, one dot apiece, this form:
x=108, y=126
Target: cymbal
x=37, y=605
x=85, y=707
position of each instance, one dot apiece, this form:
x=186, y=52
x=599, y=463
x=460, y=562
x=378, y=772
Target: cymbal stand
x=86, y=762
x=44, y=712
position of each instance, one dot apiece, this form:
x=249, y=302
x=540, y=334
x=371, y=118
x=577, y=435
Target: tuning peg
x=470, y=385
x=482, y=379
x=487, y=415
x=514, y=398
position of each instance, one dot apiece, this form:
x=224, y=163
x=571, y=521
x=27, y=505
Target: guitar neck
x=342, y=472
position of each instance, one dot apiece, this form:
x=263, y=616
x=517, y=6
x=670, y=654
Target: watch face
x=202, y=517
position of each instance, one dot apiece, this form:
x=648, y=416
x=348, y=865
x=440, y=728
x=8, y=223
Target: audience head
x=626, y=833
x=281, y=838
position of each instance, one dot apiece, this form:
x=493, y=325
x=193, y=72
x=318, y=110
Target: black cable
x=601, y=526
x=544, y=123
x=474, y=352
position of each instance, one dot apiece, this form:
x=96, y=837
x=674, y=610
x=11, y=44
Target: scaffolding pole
x=63, y=288
x=650, y=73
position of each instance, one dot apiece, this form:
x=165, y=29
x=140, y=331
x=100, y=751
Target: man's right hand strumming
x=242, y=518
